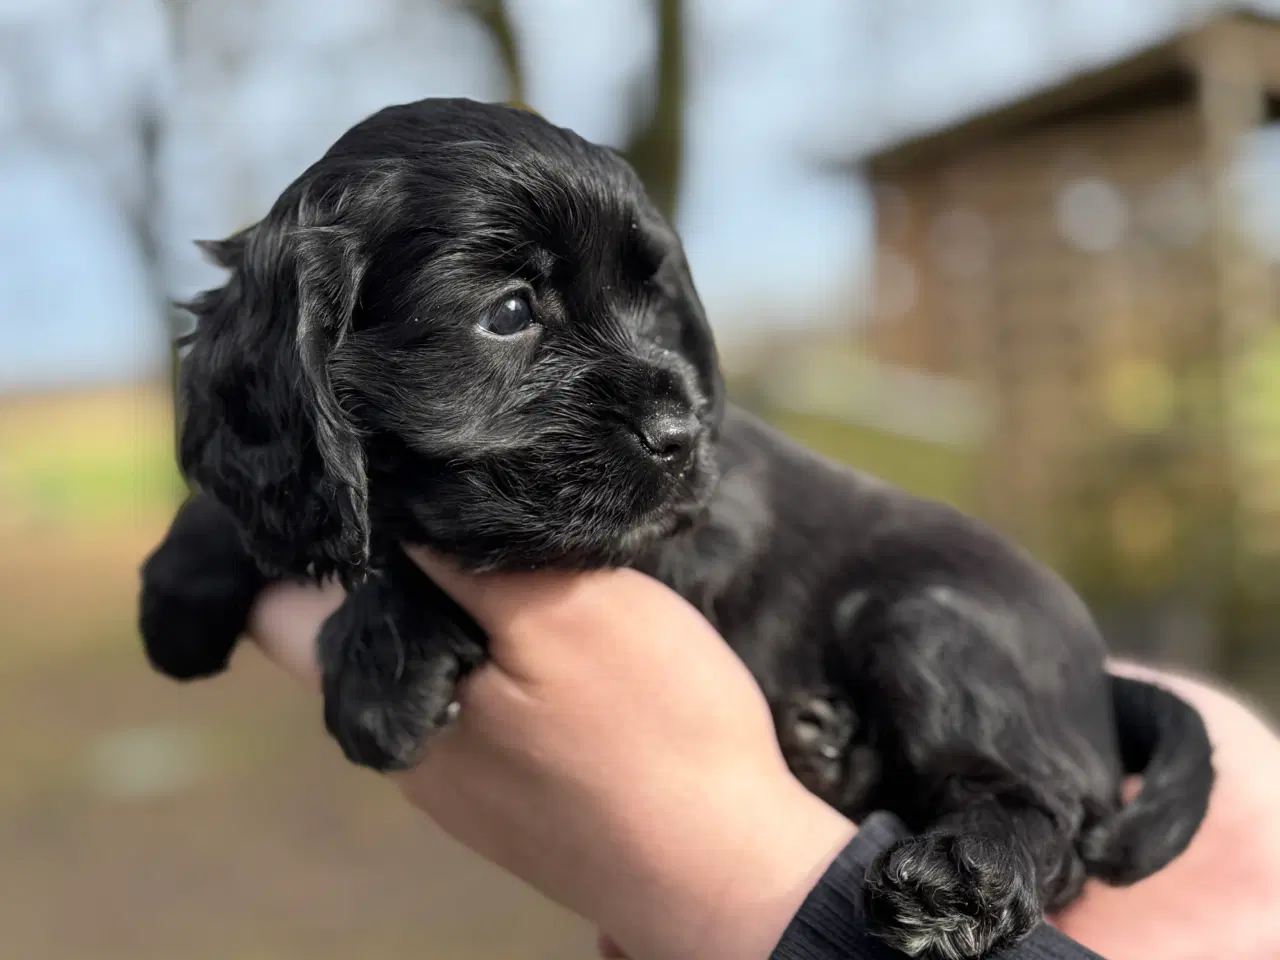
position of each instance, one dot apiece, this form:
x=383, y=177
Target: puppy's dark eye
x=511, y=316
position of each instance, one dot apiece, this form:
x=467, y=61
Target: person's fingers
x=495, y=599
x=285, y=621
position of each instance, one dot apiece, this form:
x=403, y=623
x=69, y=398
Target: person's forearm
x=751, y=875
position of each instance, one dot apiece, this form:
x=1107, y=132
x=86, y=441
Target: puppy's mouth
x=665, y=500
x=668, y=520
x=684, y=506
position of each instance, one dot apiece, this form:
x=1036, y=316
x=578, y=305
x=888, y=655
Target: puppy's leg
x=977, y=880
x=197, y=590
x=815, y=732
x=391, y=657
x=977, y=765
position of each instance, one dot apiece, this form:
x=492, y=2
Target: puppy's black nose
x=669, y=437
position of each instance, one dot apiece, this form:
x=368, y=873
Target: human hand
x=589, y=760
x=1222, y=896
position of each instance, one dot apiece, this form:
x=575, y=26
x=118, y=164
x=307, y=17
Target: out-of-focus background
x=1020, y=255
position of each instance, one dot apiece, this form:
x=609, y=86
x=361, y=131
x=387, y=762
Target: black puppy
x=467, y=328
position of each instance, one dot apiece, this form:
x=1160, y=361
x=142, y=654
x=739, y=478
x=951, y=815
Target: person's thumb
x=495, y=599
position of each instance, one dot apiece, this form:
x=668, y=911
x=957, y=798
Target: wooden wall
x=1065, y=271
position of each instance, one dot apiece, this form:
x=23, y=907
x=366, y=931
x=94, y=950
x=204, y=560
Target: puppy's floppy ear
x=262, y=428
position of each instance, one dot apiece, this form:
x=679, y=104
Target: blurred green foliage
x=92, y=459
x=929, y=470
x=73, y=485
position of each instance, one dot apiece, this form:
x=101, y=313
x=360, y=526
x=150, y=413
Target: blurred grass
x=927, y=469
x=87, y=483
x=92, y=458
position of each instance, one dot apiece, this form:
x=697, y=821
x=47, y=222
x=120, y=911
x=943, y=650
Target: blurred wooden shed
x=1080, y=256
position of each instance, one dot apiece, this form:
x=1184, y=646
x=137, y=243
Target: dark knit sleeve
x=829, y=925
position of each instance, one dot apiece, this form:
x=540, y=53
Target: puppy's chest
x=726, y=569
x=772, y=614
x=782, y=646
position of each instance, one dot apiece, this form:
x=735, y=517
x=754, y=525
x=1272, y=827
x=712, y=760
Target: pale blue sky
x=772, y=85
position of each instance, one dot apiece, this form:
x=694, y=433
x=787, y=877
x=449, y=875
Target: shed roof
x=1157, y=73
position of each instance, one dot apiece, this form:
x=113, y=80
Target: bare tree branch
x=656, y=146
x=496, y=20
x=145, y=218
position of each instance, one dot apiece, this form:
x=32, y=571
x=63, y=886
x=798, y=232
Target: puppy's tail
x=1163, y=739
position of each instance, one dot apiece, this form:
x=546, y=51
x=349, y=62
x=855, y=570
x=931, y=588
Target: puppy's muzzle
x=670, y=438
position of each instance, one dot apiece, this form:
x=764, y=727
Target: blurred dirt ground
x=142, y=820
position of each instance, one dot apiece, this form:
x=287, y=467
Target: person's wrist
x=801, y=839
x=735, y=899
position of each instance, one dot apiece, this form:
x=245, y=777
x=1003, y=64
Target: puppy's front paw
x=952, y=896
x=383, y=714
x=197, y=589
x=392, y=656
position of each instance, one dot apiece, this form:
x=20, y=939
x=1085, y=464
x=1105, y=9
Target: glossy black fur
x=341, y=398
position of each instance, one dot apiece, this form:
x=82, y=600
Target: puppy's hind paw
x=815, y=733
x=952, y=896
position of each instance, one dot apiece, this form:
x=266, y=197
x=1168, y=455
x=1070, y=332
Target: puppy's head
x=471, y=325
